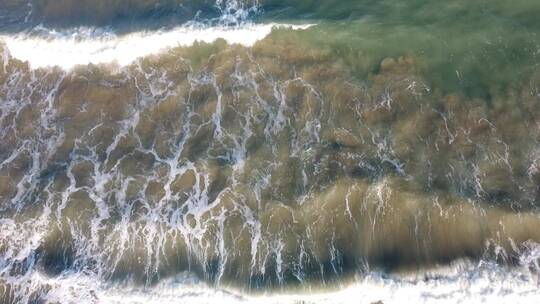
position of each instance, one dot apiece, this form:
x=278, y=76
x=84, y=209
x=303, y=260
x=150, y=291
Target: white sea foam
x=68, y=50
x=462, y=282
x=452, y=286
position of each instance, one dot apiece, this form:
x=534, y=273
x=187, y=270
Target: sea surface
x=269, y=151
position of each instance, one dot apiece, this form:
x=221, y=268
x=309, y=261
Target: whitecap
x=100, y=47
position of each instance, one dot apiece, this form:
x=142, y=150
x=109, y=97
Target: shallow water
x=270, y=151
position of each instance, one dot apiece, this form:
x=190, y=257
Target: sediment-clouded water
x=269, y=151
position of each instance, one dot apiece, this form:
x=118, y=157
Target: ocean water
x=251, y=151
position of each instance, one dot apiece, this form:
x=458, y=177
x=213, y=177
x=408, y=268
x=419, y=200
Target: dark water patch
x=123, y=16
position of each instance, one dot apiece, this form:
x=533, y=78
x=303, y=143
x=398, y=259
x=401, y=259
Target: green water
x=479, y=48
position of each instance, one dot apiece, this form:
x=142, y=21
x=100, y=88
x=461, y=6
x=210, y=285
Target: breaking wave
x=96, y=46
x=462, y=282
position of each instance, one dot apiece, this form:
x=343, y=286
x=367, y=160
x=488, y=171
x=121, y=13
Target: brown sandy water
x=270, y=167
